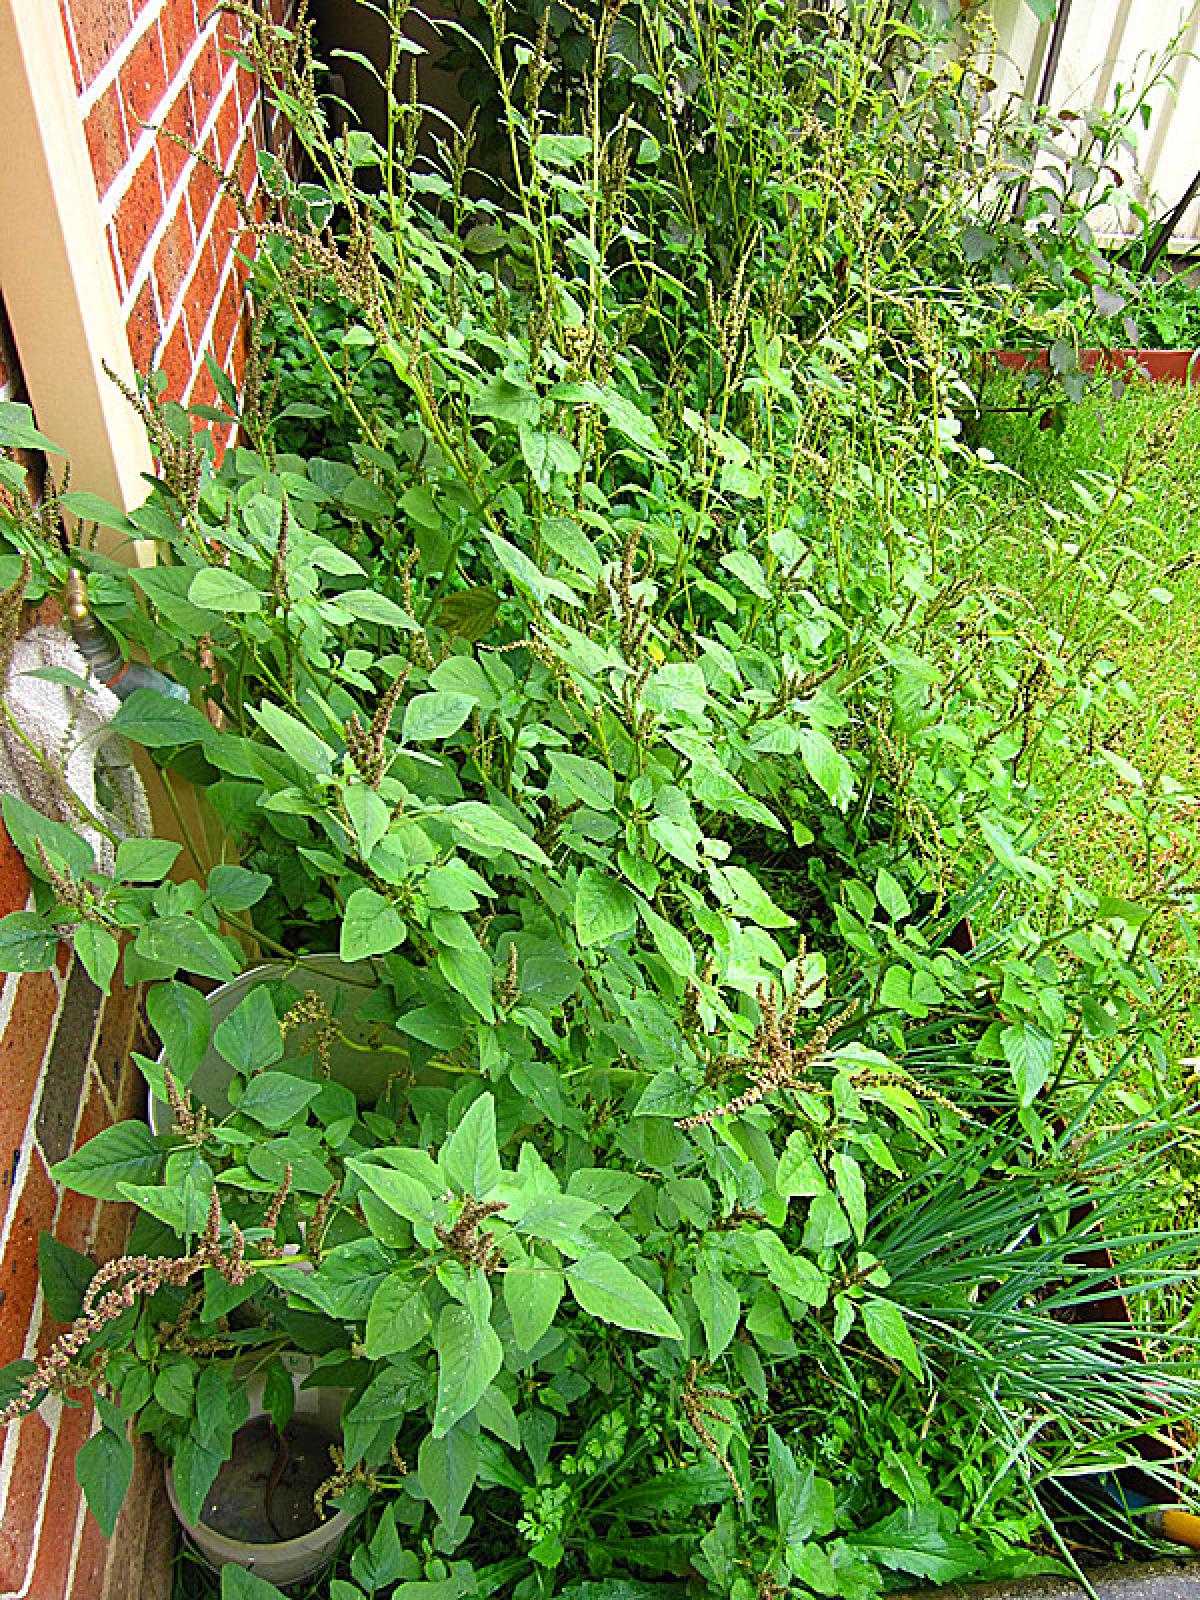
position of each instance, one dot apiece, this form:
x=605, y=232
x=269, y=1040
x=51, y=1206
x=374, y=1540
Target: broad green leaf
x=920, y=1540
x=179, y=1016
x=887, y=1330
x=720, y=1308
x=276, y=1098
x=827, y=767
x=182, y=942
x=1030, y=1054
x=236, y=888
x=27, y=944
x=606, y=1288
x=798, y=1172
x=65, y=1275
x=402, y=1192
x=215, y=589
x=547, y=455
x=368, y=814
x=99, y=952
x=159, y=720
x=145, y=860
x=604, y=908
x=238, y=1584
x=584, y=780
x=470, y=1157
x=435, y=716
x=533, y=1291
x=104, y=1468
x=507, y=402
x=399, y=1317
x=367, y=606
x=469, y=1357
x=250, y=1036
x=28, y=828
x=371, y=926
x=125, y=1153
x=294, y=736
x=485, y=830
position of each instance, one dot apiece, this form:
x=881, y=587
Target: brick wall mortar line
x=204, y=339
x=171, y=318
x=81, y=1517
x=111, y=70
x=149, y=135
x=51, y=1410
x=171, y=205
x=29, y=1137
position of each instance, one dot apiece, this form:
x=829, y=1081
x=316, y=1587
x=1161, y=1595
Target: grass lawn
x=1098, y=531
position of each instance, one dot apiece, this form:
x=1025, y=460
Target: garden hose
x=1180, y=1527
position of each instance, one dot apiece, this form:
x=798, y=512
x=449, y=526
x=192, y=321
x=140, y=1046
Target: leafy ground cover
x=1122, y=806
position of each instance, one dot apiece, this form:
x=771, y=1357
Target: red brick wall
x=64, y=1064
x=154, y=77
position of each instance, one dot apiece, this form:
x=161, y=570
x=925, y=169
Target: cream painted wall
x=54, y=265
x=1109, y=43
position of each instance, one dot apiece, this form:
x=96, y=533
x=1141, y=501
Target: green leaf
x=98, y=950
x=175, y=1388
x=28, y=828
x=485, y=830
x=403, y=1192
x=507, y=402
x=215, y=589
x=720, y=1308
x=276, y=1098
x=104, y=1468
x=65, y=1275
x=887, y=1330
x=852, y=1191
x=295, y=737
x=250, y=1036
x=238, y=1584
x=236, y=888
x=1043, y=10
x=182, y=942
x=469, y=1357
x=547, y=455
x=798, y=1172
x=827, y=767
x=371, y=926
x=180, y=1017
x=194, y=1468
x=920, y=1540
x=145, y=860
x=398, y=1319
x=435, y=716
x=367, y=606
x=27, y=944
x=607, y=1289
x=533, y=1291
x=125, y=1153
x=584, y=780
x=1030, y=1054
x=470, y=614
x=369, y=816
x=470, y=1157
x=17, y=431
x=604, y=908
x=157, y=720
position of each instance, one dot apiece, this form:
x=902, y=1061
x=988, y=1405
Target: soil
x=264, y=1493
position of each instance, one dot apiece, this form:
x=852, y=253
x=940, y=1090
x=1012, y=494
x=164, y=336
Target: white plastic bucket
x=286, y=1560
x=356, y=1060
